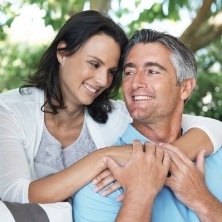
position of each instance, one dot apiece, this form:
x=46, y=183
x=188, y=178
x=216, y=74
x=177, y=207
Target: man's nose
x=139, y=80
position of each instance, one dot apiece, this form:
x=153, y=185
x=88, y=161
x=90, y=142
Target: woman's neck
x=65, y=126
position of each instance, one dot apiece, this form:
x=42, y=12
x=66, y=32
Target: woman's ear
x=60, y=54
x=187, y=88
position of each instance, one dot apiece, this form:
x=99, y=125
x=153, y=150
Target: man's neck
x=160, y=133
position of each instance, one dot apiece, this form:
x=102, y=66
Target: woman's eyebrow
x=96, y=58
x=102, y=62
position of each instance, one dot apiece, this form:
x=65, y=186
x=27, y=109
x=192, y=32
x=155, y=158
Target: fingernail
x=95, y=189
x=118, y=199
x=104, y=193
x=94, y=181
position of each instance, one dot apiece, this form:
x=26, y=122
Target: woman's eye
x=113, y=72
x=95, y=64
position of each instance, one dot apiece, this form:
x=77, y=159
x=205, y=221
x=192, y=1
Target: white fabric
x=5, y=214
x=21, y=127
x=56, y=212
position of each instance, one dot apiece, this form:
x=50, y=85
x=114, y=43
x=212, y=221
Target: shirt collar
x=130, y=135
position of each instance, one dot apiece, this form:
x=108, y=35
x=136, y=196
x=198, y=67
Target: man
x=160, y=75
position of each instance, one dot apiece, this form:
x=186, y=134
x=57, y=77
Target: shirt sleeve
x=91, y=206
x=15, y=175
x=212, y=127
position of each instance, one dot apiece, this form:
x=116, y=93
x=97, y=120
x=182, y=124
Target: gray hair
x=182, y=56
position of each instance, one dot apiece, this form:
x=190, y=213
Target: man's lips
x=142, y=98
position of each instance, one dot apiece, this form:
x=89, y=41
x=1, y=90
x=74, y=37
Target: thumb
x=111, y=164
x=200, y=161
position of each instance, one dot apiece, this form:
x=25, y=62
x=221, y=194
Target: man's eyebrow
x=148, y=64
x=130, y=65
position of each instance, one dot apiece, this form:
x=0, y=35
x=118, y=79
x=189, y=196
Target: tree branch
x=202, y=15
x=210, y=34
x=101, y=6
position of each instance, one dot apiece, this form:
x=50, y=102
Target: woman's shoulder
x=22, y=104
x=24, y=95
x=119, y=105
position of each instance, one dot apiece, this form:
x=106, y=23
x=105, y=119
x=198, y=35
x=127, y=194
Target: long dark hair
x=75, y=32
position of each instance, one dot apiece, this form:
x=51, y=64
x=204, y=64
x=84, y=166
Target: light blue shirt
x=89, y=206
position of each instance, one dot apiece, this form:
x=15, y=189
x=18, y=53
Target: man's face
x=150, y=85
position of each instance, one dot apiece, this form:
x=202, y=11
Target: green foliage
x=7, y=16
x=17, y=61
x=57, y=12
x=207, y=97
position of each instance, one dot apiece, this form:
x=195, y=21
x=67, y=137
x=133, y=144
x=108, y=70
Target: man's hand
x=142, y=178
x=187, y=181
x=147, y=168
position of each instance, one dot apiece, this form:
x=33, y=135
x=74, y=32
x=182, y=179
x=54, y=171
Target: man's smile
x=139, y=98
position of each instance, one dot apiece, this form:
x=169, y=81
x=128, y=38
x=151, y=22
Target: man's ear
x=60, y=54
x=187, y=88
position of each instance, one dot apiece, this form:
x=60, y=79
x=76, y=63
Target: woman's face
x=88, y=72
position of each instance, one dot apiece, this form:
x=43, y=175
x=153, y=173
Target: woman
x=65, y=113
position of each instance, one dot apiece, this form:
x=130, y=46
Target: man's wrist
x=208, y=208
x=137, y=206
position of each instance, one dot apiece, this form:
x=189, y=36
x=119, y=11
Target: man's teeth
x=143, y=97
x=89, y=88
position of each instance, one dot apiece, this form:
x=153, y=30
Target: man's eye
x=129, y=72
x=151, y=71
x=95, y=64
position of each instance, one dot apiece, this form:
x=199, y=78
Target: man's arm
x=187, y=181
x=142, y=178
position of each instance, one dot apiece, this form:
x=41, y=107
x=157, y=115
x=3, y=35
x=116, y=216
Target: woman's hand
x=103, y=180
x=121, y=154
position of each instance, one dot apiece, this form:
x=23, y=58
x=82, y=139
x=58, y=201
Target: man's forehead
x=143, y=47
x=143, y=53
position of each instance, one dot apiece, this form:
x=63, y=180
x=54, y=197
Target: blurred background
x=28, y=26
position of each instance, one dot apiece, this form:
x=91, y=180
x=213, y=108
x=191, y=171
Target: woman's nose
x=102, y=78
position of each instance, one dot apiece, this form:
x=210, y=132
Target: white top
x=51, y=158
x=21, y=128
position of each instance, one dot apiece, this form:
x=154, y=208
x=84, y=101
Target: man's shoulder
x=98, y=207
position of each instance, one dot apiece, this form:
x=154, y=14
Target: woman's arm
x=16, y=181
x=200, y=133
x=193, y=141
x=65, y=183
